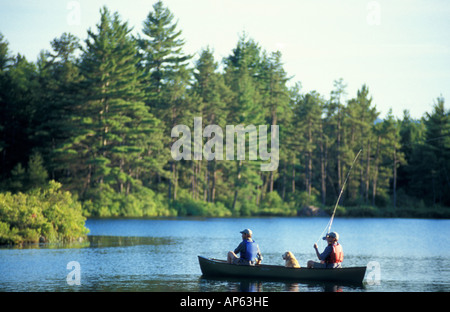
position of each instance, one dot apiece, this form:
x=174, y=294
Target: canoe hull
x=219, y=268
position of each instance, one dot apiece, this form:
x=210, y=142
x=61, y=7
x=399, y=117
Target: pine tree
x=59, y=78
x=5, y=60
x=19, y=89
x=289, y=134
x=335, y=117
x=115, y=127
x=436, y=154
x=391, y=153
x=213, y=95
x=359, y=121
x=275, y=95
x=308, y=121
x=161, y=53
x=37, y=174
x=166, y=76
x=412, y=137
x=241, y=74
x=5, y=57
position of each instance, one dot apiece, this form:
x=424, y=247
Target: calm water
x=161, y=255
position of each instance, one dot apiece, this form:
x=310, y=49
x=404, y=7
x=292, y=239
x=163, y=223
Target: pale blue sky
x=399, y=48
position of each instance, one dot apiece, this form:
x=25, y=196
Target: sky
x=399, y=48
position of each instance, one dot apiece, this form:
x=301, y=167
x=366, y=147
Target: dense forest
x=96, y=116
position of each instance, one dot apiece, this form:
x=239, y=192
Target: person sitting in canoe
x=332, y=256
x=248, y=250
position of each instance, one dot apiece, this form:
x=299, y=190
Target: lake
x=405, y=255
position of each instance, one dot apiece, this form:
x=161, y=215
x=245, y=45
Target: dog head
x=287, y=255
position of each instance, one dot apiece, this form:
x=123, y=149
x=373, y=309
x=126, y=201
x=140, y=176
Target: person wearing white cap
x=332, y=256
x=248, y=250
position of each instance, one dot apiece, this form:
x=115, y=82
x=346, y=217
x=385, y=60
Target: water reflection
x=61, y=245
x=97, y=241
x=251, y=285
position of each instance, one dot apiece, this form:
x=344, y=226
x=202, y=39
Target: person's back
x=336, y=257
x=333, y=256
x=248, y=250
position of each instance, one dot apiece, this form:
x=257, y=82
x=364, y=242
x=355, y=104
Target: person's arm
x=239, y=248
x=317, y=251
x=325, y=254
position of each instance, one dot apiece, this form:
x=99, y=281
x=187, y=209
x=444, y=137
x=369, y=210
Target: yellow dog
x=291, y=262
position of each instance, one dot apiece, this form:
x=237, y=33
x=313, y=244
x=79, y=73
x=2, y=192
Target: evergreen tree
x=412, y=137
x=5, y=60
x=435, y=165
x=37, y=174
x=166, y=77
x=308, y=121
x=275, y=94
x=33, y=177
x=359, y=121
x=241, y=74
x=5, y=57
x=59, y=78
x=161, y=52
x=290, y=137
x=18, y=101
x=115, y=128
x=335, y=115
x=213, y=95
x=390, y=151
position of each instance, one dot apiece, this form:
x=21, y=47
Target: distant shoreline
x=342, y=212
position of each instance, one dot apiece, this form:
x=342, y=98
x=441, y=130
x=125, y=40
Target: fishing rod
x=328, y=227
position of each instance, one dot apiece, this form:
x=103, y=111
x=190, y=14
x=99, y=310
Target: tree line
x=97, y=117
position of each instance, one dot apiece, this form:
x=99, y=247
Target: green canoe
x=220, y=268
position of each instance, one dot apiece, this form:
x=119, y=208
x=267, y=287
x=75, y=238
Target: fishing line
x=328, y=227
x=426, y=141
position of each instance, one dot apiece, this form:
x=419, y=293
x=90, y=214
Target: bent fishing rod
x=328, y=227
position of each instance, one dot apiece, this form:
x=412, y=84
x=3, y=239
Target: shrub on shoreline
x=41, y=215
